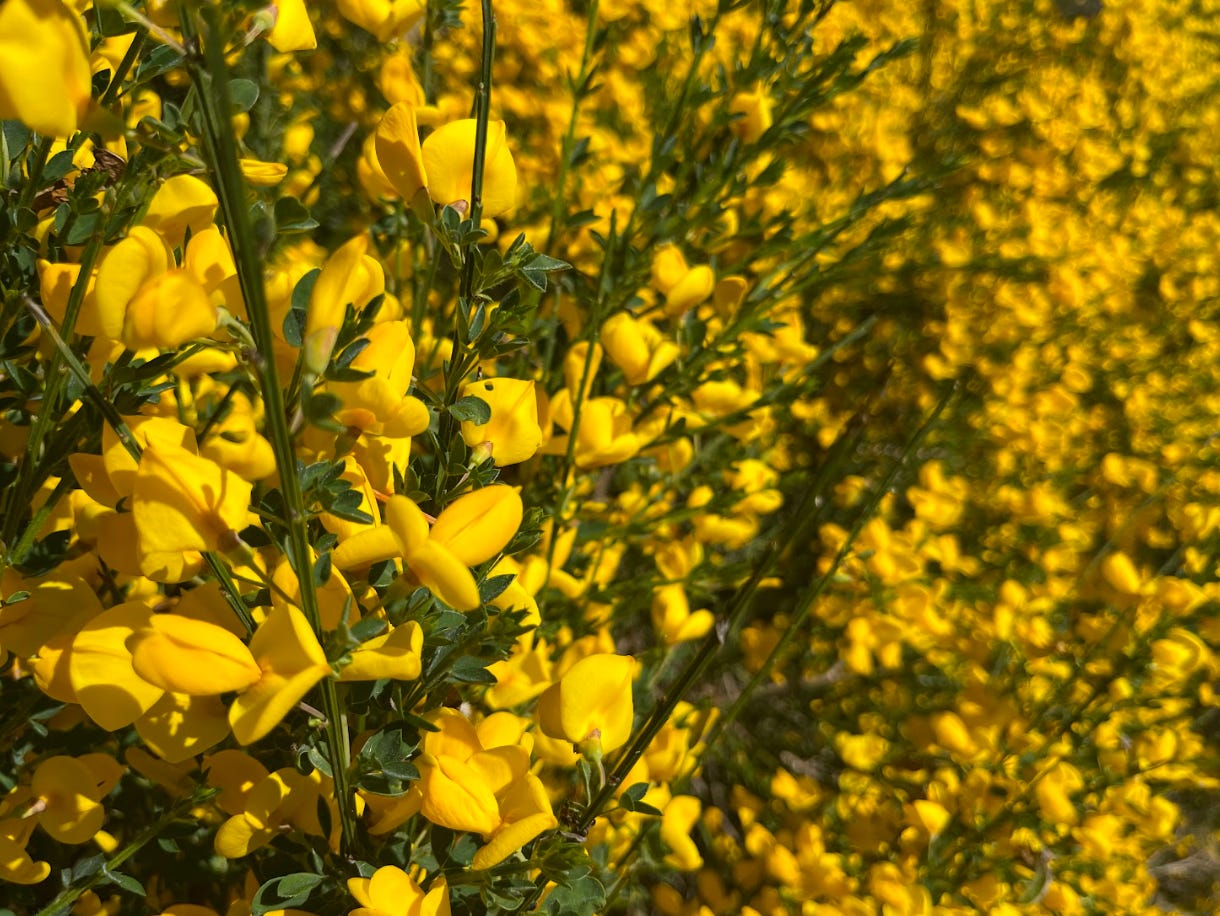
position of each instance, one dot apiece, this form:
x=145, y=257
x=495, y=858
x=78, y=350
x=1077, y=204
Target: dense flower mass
x=609, y=457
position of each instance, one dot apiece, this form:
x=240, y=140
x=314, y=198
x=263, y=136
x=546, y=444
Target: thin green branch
x=210, y=78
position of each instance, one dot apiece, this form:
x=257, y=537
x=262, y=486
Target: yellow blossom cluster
x=612, y=456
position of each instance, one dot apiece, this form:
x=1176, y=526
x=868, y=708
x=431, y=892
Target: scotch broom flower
x=145, y=301
x=448, y=160
x=512, y=433
x=182, y=502
x=471, y=530
x=393, y=892
x=45, y=80
x=591, y=704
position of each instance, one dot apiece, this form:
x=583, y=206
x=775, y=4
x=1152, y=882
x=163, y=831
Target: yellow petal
x=56, y=282
x=593, y=696
x=100, y=667
x=691, y=290
x=392, y=890
x=180, y=726
x=369, y=546
x=181, y=502
x=511, y=837
x=512, y=430
x=291, y=662
x=477, y=526
x=168, y=310
x=16, y=865
x=45, y=80
x=455, y=797
x=237, y=837
x=408, y=522
x=183, y=202
x=71, y=815
x=398, y=151
x=448, y=157
x=192, y=656
x=262, y=174
x=124, y=270
x=445, y=576
x=348, y=277
x=292, y=31
x=394, y=655
x=235, y=773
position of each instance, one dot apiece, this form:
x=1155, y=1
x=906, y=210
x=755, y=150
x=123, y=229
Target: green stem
x=461, y=361
x=120, y=73
x=210, y=78
x=482, y=100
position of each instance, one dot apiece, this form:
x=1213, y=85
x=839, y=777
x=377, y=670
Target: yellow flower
x=591, y=704
x=262, y=174
x=637, y=347
x=392, y=892
x=386, y=19
x=448, y=159
x=472, y=530
x=380, y=404
x=395, y=655
x=68, y=792
x=349, y=277
x=291, y=662
x=182, y=502
x=673, y=619
x=444, y=164
x=101, y=672
x=183, y=202
x=466, y=785
x=292, y=30
x=677, y=820
x=281, y=799
x=45, y=80
x=190, y=656
x=281, y=664
x=398, y=153
x=512, y=434
x=144, y=301
x=754, y=108
x=16, y=865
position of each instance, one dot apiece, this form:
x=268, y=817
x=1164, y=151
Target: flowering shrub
x=733, y=457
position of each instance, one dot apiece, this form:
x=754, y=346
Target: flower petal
x=192, y=656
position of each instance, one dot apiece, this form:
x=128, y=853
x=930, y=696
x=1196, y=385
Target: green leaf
x=244, y=94
x=471, y=408
x=84, y=228
x=579, y=898
x=294, y=321
x=494, y=586
x=322, y=569
x=471, y=670
x=126, y=882
x=399, y=769
x=293, y=216
x=58, y=166
x=632, y=795
x=368, y=628
x=283, y=893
